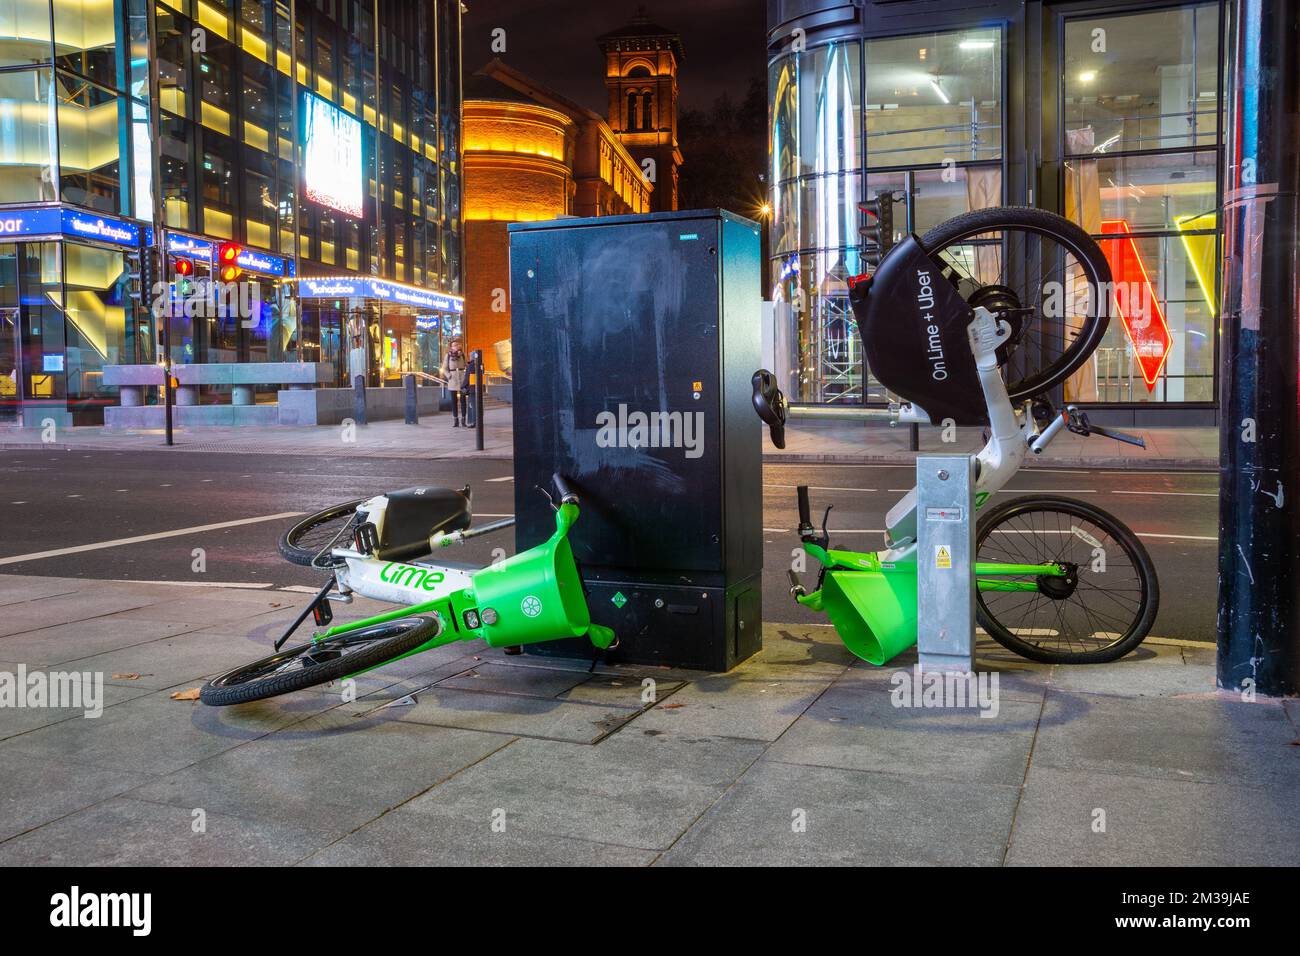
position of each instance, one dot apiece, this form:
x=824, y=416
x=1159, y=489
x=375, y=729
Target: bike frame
x=535, y=595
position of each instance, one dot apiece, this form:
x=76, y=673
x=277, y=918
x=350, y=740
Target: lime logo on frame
x=407, y=576
x=531, y=606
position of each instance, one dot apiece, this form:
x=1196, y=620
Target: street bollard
x=476, y=363
x=359, y=399
x=945, y=562
x=412, y=404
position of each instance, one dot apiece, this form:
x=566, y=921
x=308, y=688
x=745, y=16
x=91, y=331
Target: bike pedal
x=322, y=613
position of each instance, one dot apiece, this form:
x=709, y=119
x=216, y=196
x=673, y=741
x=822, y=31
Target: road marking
x=485, y=514
x=298, y=589
x=1047, y=491
x=245, y=585
x=1189, y=494
x=506, y=478
x=822, y=488
x=1178, y=537
x=119, y=542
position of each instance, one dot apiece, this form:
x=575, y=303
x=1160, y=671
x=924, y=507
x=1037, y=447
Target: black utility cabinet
x=653, y=321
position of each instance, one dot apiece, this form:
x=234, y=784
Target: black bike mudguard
x=913, y=326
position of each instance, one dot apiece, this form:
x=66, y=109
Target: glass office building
x=1109, y=113
x=323, y=136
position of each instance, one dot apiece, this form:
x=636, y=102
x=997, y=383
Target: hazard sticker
x=942, y=556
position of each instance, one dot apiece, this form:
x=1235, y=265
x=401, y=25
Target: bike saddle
x=413, y=514
x=770, y=405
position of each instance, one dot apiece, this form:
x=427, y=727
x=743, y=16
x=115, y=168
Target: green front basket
x=874, y=613
x=536, y=596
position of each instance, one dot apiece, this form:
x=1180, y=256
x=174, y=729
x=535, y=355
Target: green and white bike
x=971, y=324
x=375, y=547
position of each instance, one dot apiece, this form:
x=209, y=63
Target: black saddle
x=414, y=514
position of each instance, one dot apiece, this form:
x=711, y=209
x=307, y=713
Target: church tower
x=641, y=62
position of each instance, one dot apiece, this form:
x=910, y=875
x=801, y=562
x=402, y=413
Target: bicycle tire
x=248, y=682
x=1072, y=238
x=293, y=543
x=1146, y=582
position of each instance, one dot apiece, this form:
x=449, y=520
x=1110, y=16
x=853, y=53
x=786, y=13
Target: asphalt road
x=53, y=501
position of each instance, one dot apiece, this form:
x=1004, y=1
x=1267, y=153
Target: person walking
x=454, y=373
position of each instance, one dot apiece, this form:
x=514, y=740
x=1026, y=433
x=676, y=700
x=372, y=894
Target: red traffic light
x=228, y=261
x=184, y=267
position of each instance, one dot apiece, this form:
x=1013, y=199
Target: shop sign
x=56, y=220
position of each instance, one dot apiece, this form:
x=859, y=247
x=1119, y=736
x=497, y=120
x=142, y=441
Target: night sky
x=554, y=41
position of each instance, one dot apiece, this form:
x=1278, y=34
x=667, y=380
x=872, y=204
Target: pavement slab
x=636, y=789
x=67, y=644
x=780, y=814
x=1149, y=821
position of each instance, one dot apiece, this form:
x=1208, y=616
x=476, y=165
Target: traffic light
x=878, y=231
x=184, y=267
x=228, y=261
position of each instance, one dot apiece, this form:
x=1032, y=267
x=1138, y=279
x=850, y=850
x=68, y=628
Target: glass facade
x=1113, y=121
x=228, y=99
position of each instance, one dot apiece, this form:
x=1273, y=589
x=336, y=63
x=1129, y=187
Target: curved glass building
x=1110, y=114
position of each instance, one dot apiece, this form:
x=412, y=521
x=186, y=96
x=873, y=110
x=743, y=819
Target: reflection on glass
x=934, y=98
x=27, y=137
x=1144, y=80
x=24, y=32
x=91, y=121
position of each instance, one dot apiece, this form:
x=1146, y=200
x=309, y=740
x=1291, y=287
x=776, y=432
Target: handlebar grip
x=1118, y=436
x=805, y=509
x=567, y=494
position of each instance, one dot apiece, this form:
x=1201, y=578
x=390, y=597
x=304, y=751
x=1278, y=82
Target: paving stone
x=18, y=589
x=189, y=657
x=35, y=789
x=1151, y=822
x=859, y=728
x=127, y=832
x=498, y=713
x=491, y=677
x=755, y=701
x=88, y=604
x=1153, y=670
x=852, y=818
x=155, y=734
x=69, y=643
x=804, y=644
x=334, y=770
x=229, y=608
x=633, y=789
x=1213, y=738
x=404, y=838
x=16, y=721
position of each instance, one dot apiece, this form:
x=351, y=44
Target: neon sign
x=1139, y=308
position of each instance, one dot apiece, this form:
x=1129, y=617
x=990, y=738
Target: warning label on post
x=942, y=556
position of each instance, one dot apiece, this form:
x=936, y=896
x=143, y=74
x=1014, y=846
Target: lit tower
x=641, y=62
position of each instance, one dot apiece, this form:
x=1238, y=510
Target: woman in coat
x=454, y=373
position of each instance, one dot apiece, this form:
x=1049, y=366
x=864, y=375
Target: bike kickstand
x=317, y=601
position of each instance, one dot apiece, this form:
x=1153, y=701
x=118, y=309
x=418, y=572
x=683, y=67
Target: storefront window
x=1140, y=137
x=27, y=137
x=100, y=321
x=24, y=33
x=92, y=125
x=86, y=38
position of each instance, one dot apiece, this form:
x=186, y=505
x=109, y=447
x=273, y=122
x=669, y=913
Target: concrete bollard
x=412, y=405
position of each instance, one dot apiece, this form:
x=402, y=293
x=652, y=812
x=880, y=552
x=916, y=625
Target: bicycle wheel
x=1101, y=610
x=1041, y=273
x=318, y=662
x=317, y=533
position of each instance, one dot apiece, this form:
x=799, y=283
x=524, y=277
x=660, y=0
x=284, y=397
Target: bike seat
x=413, y=514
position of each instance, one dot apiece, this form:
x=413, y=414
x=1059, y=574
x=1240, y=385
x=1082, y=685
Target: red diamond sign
x=1136, y=301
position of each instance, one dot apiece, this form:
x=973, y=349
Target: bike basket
x=874, y=612
x=913, y=325
x=534, y=596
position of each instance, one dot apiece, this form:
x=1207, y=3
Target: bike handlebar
x=567, y=495
x=805, y=509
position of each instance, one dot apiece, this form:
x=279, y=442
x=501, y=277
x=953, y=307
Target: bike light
x=490, y=616
x=472, y=620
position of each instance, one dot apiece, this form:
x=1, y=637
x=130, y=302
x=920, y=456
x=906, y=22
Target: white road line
x=298, y=589
x=822, y=488
x=506, y=478
x=486, y=514
x=1047, y=491
x=244, y=585
x=1178, y=537
x=1187, y=494
x=118, y=542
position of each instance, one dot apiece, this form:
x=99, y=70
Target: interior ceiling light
x=976, y=44
x=1087, y=76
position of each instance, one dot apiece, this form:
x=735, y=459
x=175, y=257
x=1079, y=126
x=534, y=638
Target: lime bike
x=972, y=324
x=376, y=547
